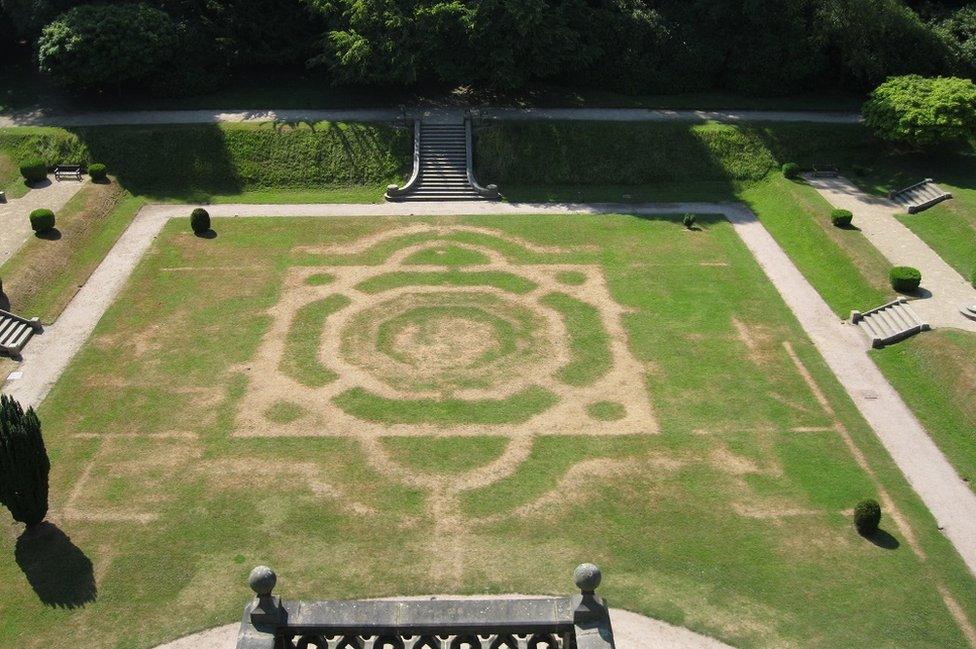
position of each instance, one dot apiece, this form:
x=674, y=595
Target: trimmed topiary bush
x=200, y=220
x=905, y=279
x=791, y=170
x=867, y=516
x=97, y=172
x=42, y=220
x=841, y=218
x=689, y=220
x=34, y=170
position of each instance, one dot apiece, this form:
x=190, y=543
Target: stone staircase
x=889, y=323
x=919, y=196
x=442, y=165
x=969, y=311
x=15, y=332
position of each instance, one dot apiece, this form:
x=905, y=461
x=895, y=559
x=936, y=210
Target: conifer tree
x=24, y=464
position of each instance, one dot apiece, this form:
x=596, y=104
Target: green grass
x=11, y=182
x=248, y=162
x=935, y=375
x=283, y=412
x=515, y=409
x=447, y=256
x=44, y=275
x=445, y=456
x=661, y=513
x=606, y=410
x=949, y=228
x=301, y=360
x=589, y=344
x=498, y=279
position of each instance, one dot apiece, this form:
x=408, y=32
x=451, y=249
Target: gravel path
x=948, y=498
x=946, y=290
x=630, y=631
x=105, y=118
x=15, y=227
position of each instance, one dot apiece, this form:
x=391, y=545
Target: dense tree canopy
x=638, y=46
x=100, y=45
x=918, y=112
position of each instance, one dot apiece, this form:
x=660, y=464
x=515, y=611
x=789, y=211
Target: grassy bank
x=198, y=162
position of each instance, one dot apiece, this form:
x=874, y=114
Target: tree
x=24, y=464
x=920, y=112
x=98, y=46
x=959, y=33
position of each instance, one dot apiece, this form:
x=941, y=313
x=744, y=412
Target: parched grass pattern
x=588, y=341
x=444, y=341
x=444, y=455
x=300, y=360
x=283, y=412
x=320, y=279
x=606, y=410
x=517, y=408
x=498, y=279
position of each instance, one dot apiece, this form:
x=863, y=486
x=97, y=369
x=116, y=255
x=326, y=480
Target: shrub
x=689, y=220
x=791, y=170
x=97, y=172
x=920, y=112
x=42, y=220
x=841, y=218
x=200, y=220
x=905, y=279
x=24, y=465
x=867, y=516
x=33, y=170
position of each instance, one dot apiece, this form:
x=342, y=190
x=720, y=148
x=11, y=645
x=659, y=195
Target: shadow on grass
x=209, y=234
x=57, y=569
x=4, y=301
x=49, y=235
x=883, y=540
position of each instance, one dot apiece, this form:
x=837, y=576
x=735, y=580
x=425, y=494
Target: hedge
x=34, y=170
x=98, y=172
x=179, y=160
x=791, y=170
x=867, y=517
x=199, y=220
x=905, y=279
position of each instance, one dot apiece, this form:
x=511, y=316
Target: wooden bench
x=824, y=171
x=67, y=171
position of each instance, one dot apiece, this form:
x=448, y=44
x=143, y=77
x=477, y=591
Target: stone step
x=889, y=323
x=15, y=331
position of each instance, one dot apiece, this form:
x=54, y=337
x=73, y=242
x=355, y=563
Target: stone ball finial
x=587, y=577
x=262, y=580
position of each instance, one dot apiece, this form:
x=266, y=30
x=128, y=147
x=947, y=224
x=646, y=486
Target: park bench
x=67, y=171
x=824, y=171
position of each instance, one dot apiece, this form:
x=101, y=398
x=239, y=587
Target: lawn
x=950, y=229
x=184, y=452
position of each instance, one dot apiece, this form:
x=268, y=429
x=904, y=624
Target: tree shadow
x=883, y=540
x=209, y=234
x=4, y=301
x=40, y=184
x=49, y=235
x=57, y=569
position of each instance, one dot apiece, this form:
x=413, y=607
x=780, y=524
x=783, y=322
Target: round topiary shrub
x=33, y=170
x=200, y=220
x=905, y=279
x=689, y=220
x=841, y=218
x=867, y=516
x=42, y=220
x=97, y=172
x=791, y=170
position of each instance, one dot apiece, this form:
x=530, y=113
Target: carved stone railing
x=392, y=191
x=575, y=622
x=490, y=191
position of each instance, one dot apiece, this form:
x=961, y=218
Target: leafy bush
x=42, y=220
x=841, y=218
x=200, y=220
x=867, y=516
x=100, y=46
x=791, y=170
x=905, y=279
x=33, y=170
x=98, y=172
x=689, y=220
x=24, y=465
x=920, y=112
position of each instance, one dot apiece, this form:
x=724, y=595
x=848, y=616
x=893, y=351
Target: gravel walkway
x=15, y=227
x=106, y=118
x=946, y=291
x=630, y=631
x=949, y=499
